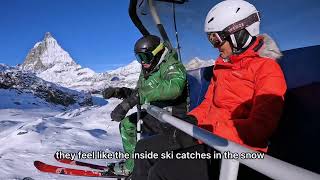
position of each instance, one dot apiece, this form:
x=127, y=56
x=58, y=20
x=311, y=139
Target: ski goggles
x=217, y=39
x=147, y=57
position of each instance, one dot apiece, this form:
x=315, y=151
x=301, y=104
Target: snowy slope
x=35, y=130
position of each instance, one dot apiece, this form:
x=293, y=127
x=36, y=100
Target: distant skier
x=162, y=82
x=245, y=98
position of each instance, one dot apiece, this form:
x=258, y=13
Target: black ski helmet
x=149, y=47
x=146, y=44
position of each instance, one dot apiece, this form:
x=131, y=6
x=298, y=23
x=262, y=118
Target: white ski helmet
x=236, y=19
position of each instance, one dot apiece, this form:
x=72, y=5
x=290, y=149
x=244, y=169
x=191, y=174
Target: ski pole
x=139, y=122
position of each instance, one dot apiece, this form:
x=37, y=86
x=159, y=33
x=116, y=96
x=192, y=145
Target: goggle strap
x=158, y=49
x=242, y=24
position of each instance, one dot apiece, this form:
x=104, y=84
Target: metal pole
x=139, y=122
x=229, y=169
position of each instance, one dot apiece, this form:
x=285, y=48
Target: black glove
x=119, y=93
x=121, y=110
x=108, y=92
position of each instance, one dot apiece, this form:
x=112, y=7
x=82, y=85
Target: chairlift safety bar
x=269, y=166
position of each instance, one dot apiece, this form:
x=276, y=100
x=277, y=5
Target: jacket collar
x=264, y=46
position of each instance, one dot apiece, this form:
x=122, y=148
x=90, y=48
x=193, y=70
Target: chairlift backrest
x=298, y=134
x=198, y=82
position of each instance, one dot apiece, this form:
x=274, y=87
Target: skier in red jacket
x=245, y=98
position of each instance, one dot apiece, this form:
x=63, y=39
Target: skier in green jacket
x=162, y=83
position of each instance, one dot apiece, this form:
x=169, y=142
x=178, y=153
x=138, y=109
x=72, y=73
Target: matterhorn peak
x=47, y=35
x=50, y=41
x=46, y=54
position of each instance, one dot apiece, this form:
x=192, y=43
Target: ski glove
x=119, y=93
x=121, y=110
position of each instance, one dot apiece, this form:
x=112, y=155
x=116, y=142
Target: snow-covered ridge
x=27, y=82
x=133, y=68
x=4, y=67
x=127, y=75
x=196, y=63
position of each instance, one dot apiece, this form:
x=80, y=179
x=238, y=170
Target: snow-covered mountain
x=52, y=63
x=196, y=63
x=47, y=54
x=126, y=76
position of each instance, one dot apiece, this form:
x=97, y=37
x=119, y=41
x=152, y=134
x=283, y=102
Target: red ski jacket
x=245, y=98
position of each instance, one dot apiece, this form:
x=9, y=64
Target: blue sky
x=100, y=35
x=97, y=33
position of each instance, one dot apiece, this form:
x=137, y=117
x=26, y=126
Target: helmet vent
x=211, y=19
x=237, y=10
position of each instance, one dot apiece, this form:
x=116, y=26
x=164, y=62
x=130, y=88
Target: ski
x=79, y=163
x=43, y=167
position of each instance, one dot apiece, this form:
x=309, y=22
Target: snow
x=32, y=129
x=4, y=67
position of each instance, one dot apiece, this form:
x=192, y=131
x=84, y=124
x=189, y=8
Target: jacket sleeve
x=201, y=111
x=268, y=101
x=171, y=85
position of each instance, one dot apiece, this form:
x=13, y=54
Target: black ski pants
x=171, y=169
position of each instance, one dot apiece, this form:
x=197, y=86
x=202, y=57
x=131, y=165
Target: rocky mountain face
x=27, y=82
